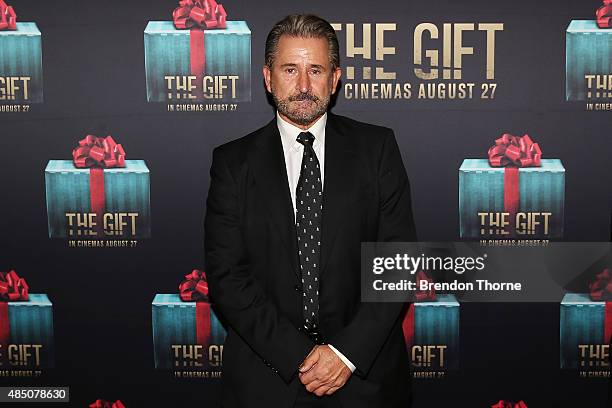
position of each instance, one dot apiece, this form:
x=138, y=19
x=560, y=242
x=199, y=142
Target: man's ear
x=335, y=78
x=266, y=74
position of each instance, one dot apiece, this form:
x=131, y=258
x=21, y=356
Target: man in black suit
x=283, y=253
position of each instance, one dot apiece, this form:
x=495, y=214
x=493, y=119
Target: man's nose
x=304, y=82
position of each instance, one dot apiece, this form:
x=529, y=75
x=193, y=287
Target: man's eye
x=290, y=70
x=315, y=71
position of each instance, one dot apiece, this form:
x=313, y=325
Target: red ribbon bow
x=512, y=152
x=12, y=287
x=102, y=152
x=518, y=151
x=508, y=404
x=601, y=288
x=198, y=15
x=604, y=15
x=424, y=295
x=105, y=404
x=204, y=14
x=194, y=287
x=98, y=153
x=8, y=18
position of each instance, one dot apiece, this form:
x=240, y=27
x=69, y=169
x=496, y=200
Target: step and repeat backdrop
x=109, y=112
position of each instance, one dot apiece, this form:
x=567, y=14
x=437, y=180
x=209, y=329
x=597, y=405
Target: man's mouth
x=304, y=100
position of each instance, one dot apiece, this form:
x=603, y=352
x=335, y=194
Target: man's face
x=301, y=79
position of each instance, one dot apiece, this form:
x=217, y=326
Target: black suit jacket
x=252, y=265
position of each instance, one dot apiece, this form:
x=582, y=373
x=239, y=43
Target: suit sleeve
x=237, y=294
x=396, y=224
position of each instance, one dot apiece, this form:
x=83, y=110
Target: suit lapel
x=337, y=185
x=272, y=185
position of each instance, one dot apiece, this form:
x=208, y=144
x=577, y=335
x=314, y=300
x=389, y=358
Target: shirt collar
x=289, y=132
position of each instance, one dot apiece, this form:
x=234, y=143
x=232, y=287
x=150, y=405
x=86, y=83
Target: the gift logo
x=21, y=62
x=429, y=356
x=21, y=355
x=188, y=337
x=26, y=328
x=424, y=321
x=199, y=61
x=588, y=66
x=524, y=223
x=99, y=198
x=514, y=195
x=196, y=355
x=121, y=224
x=594, y=357
x=439, y=57
x=14, y=88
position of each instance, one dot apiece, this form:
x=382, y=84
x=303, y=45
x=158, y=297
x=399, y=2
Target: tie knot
x=305, y=138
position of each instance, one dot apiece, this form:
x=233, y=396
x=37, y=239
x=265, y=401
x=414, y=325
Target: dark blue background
x=94, y=82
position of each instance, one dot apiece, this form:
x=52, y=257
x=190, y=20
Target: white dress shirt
x=293, y=151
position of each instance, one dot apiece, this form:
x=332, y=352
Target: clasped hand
x=322, y=372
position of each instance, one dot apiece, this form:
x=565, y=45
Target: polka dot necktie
x=309, y=206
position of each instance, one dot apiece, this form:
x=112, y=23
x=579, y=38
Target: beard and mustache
x=305, y=114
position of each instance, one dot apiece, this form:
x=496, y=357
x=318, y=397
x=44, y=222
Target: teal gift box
x=21, y=56
x=31, y=323
x=168, y=52
x=126, y=189
x=436, y=323
x=481, y=189
x=174, y=323
x=582, y=329
x=588, y=51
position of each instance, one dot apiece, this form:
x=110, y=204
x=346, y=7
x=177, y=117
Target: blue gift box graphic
x=21, y=57
x=436, y=323
x=582, y=328
x=31, y=324
x=481, y=189
x=588, y=51
x=168, y=52
x=174, y=323
x=126, y=189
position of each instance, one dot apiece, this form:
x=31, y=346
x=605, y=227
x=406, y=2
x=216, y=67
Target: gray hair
x=305, y=26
